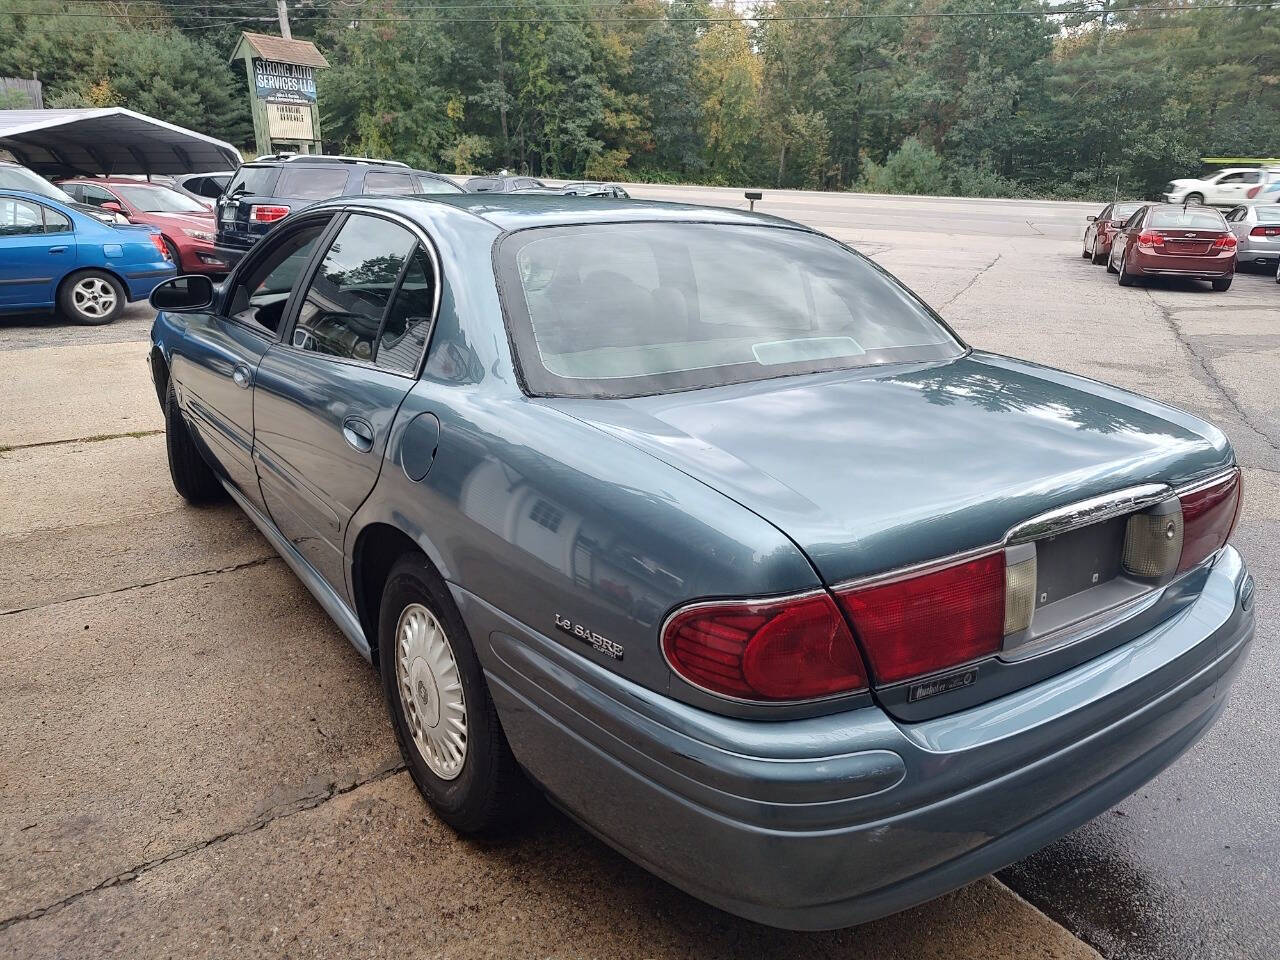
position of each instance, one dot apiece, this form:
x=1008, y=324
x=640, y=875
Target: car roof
x=508, y=211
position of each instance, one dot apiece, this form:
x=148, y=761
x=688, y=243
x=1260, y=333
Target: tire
x=91, y=298
x=1085, y=253
x=193, y=478
x=1111, y=263
x=1124, y=278
x=173, y=254
x=1194, y=198
x=1222, y=285
x=469, y=777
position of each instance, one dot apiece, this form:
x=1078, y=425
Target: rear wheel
x=1222, y=285
x=1195, y=198
x=1125, y=279
x=91, y=297
x=193, y=478
x=444, y=719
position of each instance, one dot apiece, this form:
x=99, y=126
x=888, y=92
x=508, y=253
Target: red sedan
x=186, y=226
x=1166, y=239
x=1101, y=229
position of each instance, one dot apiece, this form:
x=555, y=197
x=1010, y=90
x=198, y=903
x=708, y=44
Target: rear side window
x=20, y=217
x=256, y=181
x=342, y=313
x=434, y=185
x=312, y=183
x=388, y=183
x=680, y=305
x=404, y=334
x=1186, y=219
x=482, y=185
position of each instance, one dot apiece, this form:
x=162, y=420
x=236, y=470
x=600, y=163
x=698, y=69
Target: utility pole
x=1102, y=28
x=282, y=10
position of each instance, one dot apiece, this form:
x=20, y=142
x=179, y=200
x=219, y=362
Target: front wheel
x=444, y=719
x=1222, y=285
x=192, y=476
x=1098, y=258
x=91, y=297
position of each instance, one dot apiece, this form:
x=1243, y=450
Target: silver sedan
x=1257, y=229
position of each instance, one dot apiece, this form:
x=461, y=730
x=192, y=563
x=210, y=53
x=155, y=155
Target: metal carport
x=109, y=140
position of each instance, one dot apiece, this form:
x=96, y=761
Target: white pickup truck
x=1226, y=188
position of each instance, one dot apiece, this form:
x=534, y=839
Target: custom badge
x=598, y=643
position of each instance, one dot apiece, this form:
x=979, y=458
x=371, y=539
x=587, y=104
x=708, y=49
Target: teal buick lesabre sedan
x=703, y=524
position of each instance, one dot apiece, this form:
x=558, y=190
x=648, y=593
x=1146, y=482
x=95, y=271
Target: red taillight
x=790, y=649
x=260, y=213
x=1149, y=239
x=1209, y=515
x=1225, y=242
x=1253, y=191
x=931, y=621
x=1265, y=232
x=157, y=241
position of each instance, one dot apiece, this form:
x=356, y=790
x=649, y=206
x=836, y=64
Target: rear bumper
x=830, y=821
x=1163, y=264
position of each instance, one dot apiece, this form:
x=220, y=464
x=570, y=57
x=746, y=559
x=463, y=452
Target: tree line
x=965, y=97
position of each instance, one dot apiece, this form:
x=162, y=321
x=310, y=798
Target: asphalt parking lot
x=194, y=762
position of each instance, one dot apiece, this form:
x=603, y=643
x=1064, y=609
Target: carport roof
x=108, y=140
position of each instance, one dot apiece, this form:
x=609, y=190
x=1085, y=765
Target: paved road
x=194, y=762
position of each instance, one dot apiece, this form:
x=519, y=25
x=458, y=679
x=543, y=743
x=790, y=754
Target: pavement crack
x=94, y=438
x=969, y=286
x=1211, y=377
x=300, y=805
x=256, y=562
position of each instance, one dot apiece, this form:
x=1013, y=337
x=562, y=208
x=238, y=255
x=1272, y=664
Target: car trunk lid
x=875, y=470
x=1188, y=243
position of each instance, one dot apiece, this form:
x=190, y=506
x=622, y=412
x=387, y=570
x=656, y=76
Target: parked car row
x=1137, y=240
x=56, y=256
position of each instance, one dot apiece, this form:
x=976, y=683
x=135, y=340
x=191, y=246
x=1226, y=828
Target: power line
x=912, y=15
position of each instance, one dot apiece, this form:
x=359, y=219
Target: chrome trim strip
x=1084, y=513
x=1083, y=629
x=742, y=602
x=1195, y=486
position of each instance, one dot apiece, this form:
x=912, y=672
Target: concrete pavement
x=194, y=762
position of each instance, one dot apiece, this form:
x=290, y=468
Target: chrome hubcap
x=94, y=297
x=431, y=695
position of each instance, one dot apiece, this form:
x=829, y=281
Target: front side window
x=262, y=294
x=312, y=183
x=342, y=313
x=629, y=309
x=87, y=193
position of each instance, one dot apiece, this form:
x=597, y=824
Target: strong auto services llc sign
x=278, y=82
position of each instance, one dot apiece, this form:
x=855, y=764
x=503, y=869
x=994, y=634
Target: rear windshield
x=312, y=183
x=1268, y=214
x=257, y=181
x=629, y=309
x=482, y=185
x=1185, y=219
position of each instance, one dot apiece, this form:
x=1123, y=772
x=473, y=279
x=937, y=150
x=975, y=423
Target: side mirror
x=113, y=207
x=1091, y=218
x=185, y=294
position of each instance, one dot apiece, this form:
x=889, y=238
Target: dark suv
x=270, y=188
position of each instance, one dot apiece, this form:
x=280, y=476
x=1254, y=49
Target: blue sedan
x=704, y=525
x=54, y=257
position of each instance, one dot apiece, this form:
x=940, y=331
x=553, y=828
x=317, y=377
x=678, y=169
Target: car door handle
x=53, y=250
x=242, y=376
x=359, y=433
